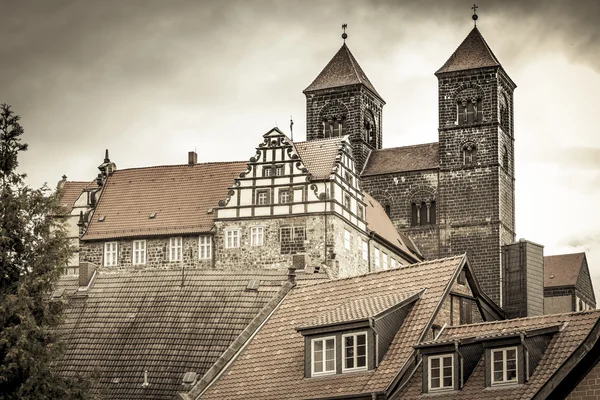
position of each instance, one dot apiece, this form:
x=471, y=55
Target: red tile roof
x=130, y=322
x=402, y=159
x=472, y=53
x=342, y=70
x=562, y=269
x=379, y=222
x=575, y=328
x=180, y=195
x=359, y=310
x=71, y=191
x=272, y=365
x=319, y=156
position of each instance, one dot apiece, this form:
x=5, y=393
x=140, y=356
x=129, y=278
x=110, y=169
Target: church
x=368, y=272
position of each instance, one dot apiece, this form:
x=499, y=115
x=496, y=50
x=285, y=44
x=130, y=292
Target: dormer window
x=504, y=366
x=355, y=352
x=323, y=356
x=440, y=372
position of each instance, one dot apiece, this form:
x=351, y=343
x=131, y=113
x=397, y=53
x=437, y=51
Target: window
x=139, y=252
x=469, y=111
x=257, y=236
x=267, y=171
x=388, y=210
x=361, y=212
x=393, y=262
x=469, y=151
x=205, y=249
x=347, y=201
x=279, y=170
x=377, y=257
x=466, y=311
x=292, y=239
x=504, y=366
x=385, y=260
x=365, y=250
x=355, y=352
x=505, y=157
x=440, y=372
x=323, y=356
x=232, y=239
x=285, y=196
x=423, y=213
x=110, y=254
x=333, y=127
x=348, y=177
x=262, y=197
x=175, y=248
x=347, y=238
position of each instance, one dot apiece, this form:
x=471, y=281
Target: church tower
x=342, y=101
x=476, y=159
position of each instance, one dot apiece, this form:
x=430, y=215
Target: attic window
x=253, y=284
x=153, y=215
x=504, y=366
x=189, y=378
x=102, y=218
x=440, y=372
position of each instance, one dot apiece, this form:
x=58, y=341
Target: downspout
x=526, y=349
x=369, y=251
x=461, y=363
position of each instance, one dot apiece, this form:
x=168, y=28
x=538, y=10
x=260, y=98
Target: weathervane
x=474, y=8
x=344, y=35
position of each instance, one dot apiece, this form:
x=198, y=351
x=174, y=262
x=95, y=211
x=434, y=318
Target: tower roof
x=472, y=53
x=342, y=70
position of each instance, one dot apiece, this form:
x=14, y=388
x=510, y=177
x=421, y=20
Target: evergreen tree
x=34, y=249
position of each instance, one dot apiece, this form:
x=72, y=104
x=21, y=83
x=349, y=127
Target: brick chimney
x=192, y=158
x=86, y=273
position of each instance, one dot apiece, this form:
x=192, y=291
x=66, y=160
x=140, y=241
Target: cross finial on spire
x=344, y=35
x=475, y=16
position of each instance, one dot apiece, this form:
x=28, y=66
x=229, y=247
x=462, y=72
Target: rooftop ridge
x=566, y=254
x=408, y=146
x=321, y=140
x=536, y=317
x=180, y=165
x=394, y=270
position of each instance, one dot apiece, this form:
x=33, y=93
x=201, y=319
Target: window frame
x=135, y=252
x=347, y=201
x=267, y=195
x=343, y=349
x=279, y=170
x=385, y=260
x=114, y=252
x=175, y=247
x=257, y=232
x=504, y=351
x=377, y=258
x=288, y=194
x=441, y=358
x=204, y=248
x=267, y=172
x=324, y=360
x=365, y=250
x=347, y=239
x=235, y=236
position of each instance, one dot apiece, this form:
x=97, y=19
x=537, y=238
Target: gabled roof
x=562, y=269
x=402, y=159
x=574, y=329
x=472, y=53
x=71, y=191
x=379, y=222
x=130, y=322
x=182, y=196
x=272, y=365
x=319, y=156
x=342, y=70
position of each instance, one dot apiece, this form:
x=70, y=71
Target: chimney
x=292, y=275
x=192, y=158
x=86, y=273
x=61, y=183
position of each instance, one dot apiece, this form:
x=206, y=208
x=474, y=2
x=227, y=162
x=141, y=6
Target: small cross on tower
x=344, y=35
x=474, y=8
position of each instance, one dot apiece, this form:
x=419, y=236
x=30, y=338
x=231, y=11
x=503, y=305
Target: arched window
x=369, y=129
x=334, y=127
x=505, y=157
x=469, y=151
x=503, y=114
x=423, y=213
x=388, y=210
x=469, y=111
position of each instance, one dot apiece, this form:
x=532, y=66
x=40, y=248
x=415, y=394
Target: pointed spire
x=472, y=53
x=106, y=159
x=342, y=70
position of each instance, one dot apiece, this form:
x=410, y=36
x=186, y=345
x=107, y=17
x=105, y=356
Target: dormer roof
x=342, y=70
x=472, y=53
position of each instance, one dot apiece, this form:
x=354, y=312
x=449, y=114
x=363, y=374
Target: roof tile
x=562, y=269
x=472, y=53
x=402, y=159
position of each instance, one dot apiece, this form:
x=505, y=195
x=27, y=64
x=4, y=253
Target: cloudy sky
x=151, y=80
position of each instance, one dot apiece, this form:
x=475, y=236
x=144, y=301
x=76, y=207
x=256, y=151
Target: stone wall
x=589, y=387
x=157, y=253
